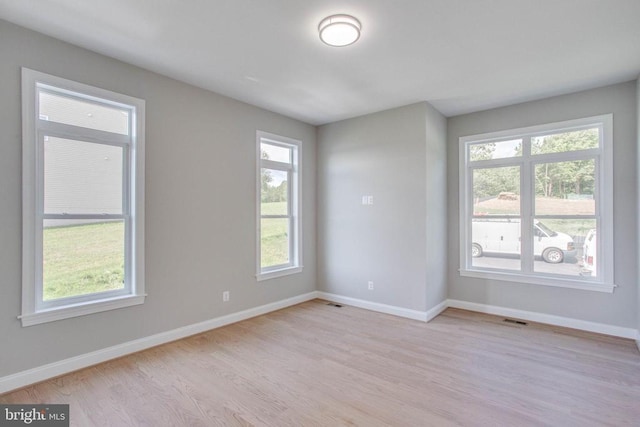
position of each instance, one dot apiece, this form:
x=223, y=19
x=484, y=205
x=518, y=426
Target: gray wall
x=618, y=308
x=200, y=204
x=436, y=207
x=638, y=201
x=383, y=155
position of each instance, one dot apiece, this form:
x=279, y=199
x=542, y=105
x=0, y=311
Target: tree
x=559, y=179
x=269, y=192
x=482, y=151
x=490, y=182
x=265, y=179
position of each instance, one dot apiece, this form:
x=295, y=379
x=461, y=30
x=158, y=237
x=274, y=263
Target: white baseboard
x=423, y=316
x=51, y=370
x=432, y=313
x=45, y=372
x=567, y=322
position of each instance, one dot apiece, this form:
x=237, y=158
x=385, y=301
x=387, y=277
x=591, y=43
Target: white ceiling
x=459, y=55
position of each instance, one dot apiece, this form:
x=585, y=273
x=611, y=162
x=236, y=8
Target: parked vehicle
x=502, y=236
x=590, y=253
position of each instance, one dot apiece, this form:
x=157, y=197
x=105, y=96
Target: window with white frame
x=83, y=199
x=536, y=204
x=279, y=246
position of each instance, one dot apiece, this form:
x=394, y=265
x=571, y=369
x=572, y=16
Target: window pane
x=81, y=177
x=80, y=257
x=565, y=188
x=495, y=150
x=559, y=246
x=276, y=153
x=274, y=196
x=496, y=191
x=588, y=253
x=71, y=111
x=495, y=243
x=566, y=141
x=274, y=241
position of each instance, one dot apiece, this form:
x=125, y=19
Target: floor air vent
x=517, y=322
x=333, y=304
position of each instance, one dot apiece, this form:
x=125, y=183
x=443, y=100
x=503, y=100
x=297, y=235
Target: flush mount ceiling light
x=339, y=30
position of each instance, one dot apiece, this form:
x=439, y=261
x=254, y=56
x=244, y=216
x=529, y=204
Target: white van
x=502, y=236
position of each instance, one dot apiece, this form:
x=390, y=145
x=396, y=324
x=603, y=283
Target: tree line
x=269, y=192
x=555, y=180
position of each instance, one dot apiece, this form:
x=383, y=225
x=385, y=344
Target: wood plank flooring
x=318, y=365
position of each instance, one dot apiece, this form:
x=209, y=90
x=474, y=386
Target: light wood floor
x=318, y=365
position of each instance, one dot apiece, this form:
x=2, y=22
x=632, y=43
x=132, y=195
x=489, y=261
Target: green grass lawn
x=83, y=259
x=572, y=227
x=274, y=242
x=89, y=258
x=274, y=208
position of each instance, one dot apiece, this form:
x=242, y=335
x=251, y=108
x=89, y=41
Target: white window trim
x=605, y=283
x=295, y=194
x=35, y=311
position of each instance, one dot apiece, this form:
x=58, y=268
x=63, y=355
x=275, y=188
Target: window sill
x=278, y=273
x=540, y=280
x=81, y=309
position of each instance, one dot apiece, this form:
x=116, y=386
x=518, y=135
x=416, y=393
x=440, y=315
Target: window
x=533, y=201
x=83, y=199
x=279, y=245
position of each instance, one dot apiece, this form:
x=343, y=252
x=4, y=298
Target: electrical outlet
x=225, y=296
x=370, y=284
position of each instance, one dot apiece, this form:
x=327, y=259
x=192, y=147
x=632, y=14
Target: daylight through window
x=536, y=204
x=278, y=206
x=83, y=199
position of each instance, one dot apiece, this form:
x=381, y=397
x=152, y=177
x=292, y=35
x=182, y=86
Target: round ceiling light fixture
x=339, y=30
